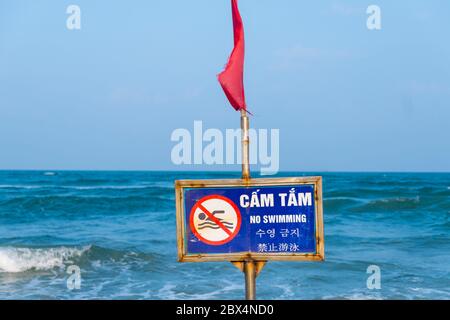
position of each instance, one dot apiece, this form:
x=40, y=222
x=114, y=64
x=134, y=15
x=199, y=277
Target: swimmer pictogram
x=215, y=220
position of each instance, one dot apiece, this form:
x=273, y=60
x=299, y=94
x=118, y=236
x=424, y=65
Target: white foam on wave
x=16, y=260
x=423, y=293
x=170, y=291
x=107, y=187
x=397, y=200
x=162, y=184
x=354, y=296
x=20, y=186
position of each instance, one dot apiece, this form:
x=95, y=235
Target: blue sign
x=261, y=220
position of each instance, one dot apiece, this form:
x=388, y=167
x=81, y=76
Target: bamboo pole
x=249, y=266
x=245, y=125
x=250, y=280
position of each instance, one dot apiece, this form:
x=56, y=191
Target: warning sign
x=215, y=220
x=260, y=219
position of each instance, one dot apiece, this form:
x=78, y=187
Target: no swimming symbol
x=215, y=220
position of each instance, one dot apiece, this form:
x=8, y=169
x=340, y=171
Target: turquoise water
x=119, y=228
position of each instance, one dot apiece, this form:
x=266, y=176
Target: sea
x=112, y=235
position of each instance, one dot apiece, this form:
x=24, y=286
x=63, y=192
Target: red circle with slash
x=215, y=220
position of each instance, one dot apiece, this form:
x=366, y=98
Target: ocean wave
x=63, y=204
x=333, y=204
x=389, y=204
x=70, y=187
x=425, y=293
x=18, y=186
x=355, y=296
x=172, y=291
x=16, y=260
x=113, y=187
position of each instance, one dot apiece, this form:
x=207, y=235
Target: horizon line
x=219, y=171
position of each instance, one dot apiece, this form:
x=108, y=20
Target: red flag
x=232, y=78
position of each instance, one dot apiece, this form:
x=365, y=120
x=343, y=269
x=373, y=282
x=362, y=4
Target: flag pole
x=245, y=125
x=249, y=267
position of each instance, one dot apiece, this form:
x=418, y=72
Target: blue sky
x=109, y=95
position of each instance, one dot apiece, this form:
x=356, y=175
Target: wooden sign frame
x=183, y=256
